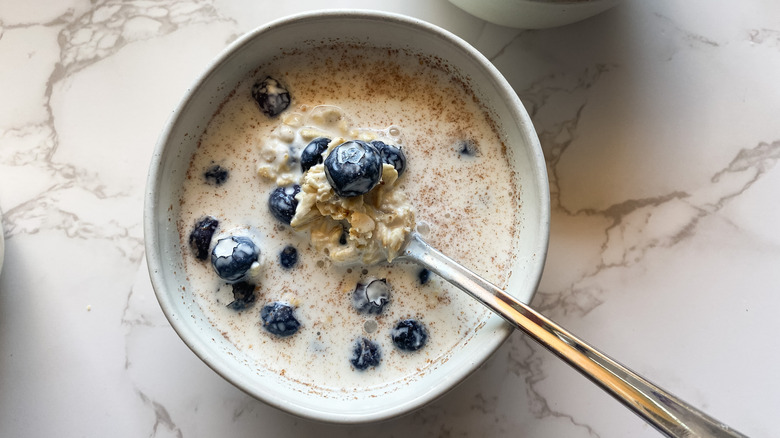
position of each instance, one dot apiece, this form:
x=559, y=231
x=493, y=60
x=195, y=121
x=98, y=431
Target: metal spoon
x=664, y=411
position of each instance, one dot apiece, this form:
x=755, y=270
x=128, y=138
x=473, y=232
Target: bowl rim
x=152, y=207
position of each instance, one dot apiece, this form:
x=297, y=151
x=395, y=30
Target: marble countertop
x=659, y=123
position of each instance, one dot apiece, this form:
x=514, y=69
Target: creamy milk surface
x=458, y=180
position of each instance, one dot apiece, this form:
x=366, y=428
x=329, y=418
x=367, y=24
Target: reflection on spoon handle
x=664, y=411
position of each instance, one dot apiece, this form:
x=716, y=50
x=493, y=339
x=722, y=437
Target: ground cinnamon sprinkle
x=468, y=202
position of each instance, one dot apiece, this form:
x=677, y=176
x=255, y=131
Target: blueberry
x=282, y=202
x=200, y=237
x=365, y=354
x=468, y=148
x=409, y=335
x=243, y=295
x=233, y=256
x=371, y=296
x=288, y=258
x=292, y=160
x=311, y=155
x=216, y=175
x=353, y=168
x=391, y=155
x=278, y=319
x=424, y=275
x=271, y=97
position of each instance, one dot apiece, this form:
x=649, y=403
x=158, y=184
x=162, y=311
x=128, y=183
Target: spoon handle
x=664, y=411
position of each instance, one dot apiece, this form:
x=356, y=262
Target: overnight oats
x=304, y=188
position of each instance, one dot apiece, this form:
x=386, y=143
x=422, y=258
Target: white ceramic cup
x=180, y=138
x=534, y=14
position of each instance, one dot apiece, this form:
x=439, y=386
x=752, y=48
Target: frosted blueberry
x=200, y=237
x=279, y=319
x=371, y=296
x=271, y=97
x=216, y=175
x=391, y=155
x=311, y=155
x=409, y=335
x=233, y=256
x=282, y=202
x=353, y=168
x=288, y=257
x=365, y=354
x=243, y=295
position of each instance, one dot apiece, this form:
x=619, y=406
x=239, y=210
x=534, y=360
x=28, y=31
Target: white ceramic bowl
x=179, y=140
x=534, y=14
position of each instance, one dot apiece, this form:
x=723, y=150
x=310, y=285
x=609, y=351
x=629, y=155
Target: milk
x=468, y=205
